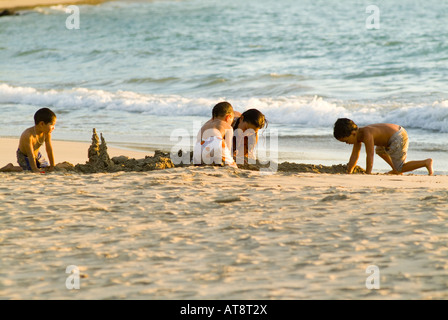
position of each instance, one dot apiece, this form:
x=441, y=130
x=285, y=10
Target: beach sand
x=15, y=5
x=221, y=233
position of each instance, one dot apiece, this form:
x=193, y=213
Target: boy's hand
x=49, y=169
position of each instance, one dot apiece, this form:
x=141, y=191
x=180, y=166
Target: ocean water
x=145, y=73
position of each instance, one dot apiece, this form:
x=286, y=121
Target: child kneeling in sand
x=28, y=155
x=245, y=132
x=214, y=142
x=391, y=143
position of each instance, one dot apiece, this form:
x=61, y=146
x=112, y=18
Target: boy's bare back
x=379, y=132
x=215, y=127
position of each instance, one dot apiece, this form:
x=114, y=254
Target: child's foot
x=429, y=166
x=394, y=172
x=10, y=168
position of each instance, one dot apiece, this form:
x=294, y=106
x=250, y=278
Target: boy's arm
x=370, y=151
x=354, y=157
x=49, y=148
x=29, y=148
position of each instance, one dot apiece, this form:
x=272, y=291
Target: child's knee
x=380, y=150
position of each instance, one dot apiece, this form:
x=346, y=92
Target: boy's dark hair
x=343, y=127
x=222, y=109
x=254, y=117
x=45, y=115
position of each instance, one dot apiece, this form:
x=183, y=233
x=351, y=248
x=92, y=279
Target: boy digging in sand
x=391, y=143
x=214, y=142
x=28, y=155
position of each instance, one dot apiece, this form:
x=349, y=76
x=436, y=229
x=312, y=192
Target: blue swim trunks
x=24, y=162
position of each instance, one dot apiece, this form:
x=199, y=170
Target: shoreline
x=14, y=6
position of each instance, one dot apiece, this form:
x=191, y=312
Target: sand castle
x=98, y=157
x=94, y=149
x=100, y=161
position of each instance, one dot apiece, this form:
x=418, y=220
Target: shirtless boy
x=391, y=143
x=28, y=155
x=214, y=142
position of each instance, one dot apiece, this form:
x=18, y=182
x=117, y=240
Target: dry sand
x=15, y=5
x=221, y=233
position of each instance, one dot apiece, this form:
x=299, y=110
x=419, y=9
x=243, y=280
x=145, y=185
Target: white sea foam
x=292, y=110
x=51, y=10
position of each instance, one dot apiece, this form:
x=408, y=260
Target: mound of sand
x=301, y=167
x=99, y=160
